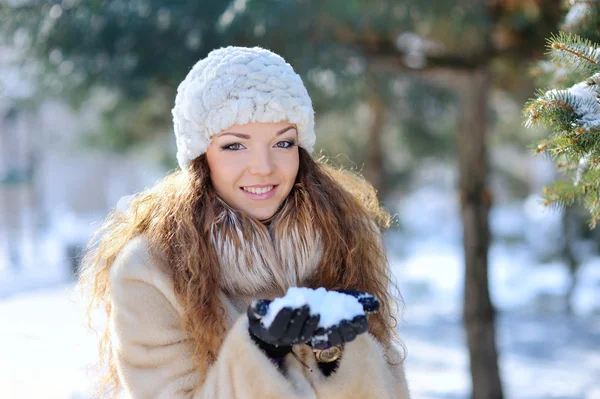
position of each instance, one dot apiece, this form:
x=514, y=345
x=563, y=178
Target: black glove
x=369, y=303
x=346, y=330
x=290, y=326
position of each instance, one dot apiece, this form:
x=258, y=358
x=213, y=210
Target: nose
x=261, y=164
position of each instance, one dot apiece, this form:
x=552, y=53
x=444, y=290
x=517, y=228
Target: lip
x=264, y=196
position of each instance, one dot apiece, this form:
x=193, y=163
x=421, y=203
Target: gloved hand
x=346, y=330
x=290, y=326
x=369, y=303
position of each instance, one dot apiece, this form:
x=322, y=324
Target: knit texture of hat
x=238, y=85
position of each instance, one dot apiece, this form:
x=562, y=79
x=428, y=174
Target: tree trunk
x=569, y=233
x=373, y=171
x=475, y=204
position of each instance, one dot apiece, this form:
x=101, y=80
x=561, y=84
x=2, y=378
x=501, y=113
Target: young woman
x=188, y=273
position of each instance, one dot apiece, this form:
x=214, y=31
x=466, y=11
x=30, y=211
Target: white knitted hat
x=238, y=85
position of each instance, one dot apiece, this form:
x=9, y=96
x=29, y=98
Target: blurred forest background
x=502, y=295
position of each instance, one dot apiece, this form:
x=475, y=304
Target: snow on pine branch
x=583, y=97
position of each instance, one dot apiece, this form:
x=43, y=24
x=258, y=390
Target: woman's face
x=253, y=167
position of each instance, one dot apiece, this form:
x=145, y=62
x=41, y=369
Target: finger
x=335, y=338
x=259, y=332
x=295, y=325
x=311, y=324
x=258, y=309
x=280, y=323
x=347, y=332
x=360, y=324
x=320, y=339
x=369, y=303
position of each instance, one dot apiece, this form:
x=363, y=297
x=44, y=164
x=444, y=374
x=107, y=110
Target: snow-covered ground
x=46, y=350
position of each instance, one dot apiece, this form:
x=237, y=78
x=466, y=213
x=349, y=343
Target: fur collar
x=255, y=257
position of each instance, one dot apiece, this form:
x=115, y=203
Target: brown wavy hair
x=176, y=214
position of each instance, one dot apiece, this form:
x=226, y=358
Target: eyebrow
x=247, y=137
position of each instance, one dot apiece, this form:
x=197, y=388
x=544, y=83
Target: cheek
x=224, y=177
x=223, y=166
x=218, y=180
x=289, y=168
x=224, y=171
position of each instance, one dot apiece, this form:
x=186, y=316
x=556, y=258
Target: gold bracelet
x=328, y=355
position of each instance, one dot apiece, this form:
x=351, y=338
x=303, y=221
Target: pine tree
x=572, y=112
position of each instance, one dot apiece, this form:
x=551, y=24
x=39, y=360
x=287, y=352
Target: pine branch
x=586, y=192
x=550, y=109
x=574, y=51
x=573, y=113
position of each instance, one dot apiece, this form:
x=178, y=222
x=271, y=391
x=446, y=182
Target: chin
x=262, y=214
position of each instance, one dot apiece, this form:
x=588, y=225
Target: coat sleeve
x=153, y=355
x=366, y=370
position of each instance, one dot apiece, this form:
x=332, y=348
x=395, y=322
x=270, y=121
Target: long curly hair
x=177, y=215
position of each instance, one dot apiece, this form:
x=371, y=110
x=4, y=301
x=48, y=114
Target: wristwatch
x=328, y=355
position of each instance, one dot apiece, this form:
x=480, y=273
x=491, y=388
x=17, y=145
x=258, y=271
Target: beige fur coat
x=153, y=355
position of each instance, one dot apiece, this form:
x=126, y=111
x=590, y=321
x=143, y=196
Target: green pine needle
x=577, y=53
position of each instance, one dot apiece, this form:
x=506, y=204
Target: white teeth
x=255, y=190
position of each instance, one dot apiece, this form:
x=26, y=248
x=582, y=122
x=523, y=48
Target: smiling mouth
x=258, y=190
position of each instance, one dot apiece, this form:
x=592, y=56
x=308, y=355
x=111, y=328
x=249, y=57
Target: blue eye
x=285, y=144
x=232, y=147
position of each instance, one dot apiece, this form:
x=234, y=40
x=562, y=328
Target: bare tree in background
x=478, y=311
